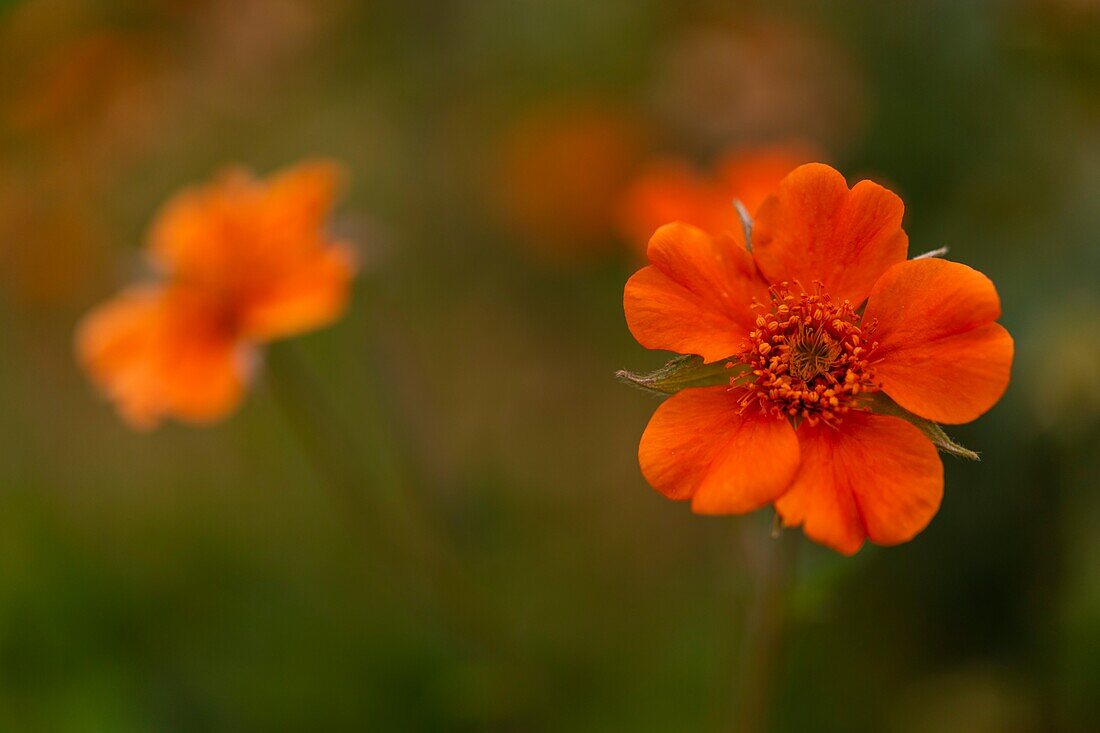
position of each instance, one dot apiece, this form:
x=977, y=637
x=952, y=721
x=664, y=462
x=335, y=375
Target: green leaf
x=880, y=403
x=685, y=372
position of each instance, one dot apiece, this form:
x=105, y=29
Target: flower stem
x=772, y=566
x=336, y=458
x=379, y=497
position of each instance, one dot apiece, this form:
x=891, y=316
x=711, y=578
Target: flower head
x=241, y=262
x=559, y=172
x=821, y=324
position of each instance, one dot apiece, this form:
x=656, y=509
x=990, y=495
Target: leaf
x=685, y=372
x=881, y=404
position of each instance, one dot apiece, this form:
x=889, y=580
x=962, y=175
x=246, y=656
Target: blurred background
x=500, y=564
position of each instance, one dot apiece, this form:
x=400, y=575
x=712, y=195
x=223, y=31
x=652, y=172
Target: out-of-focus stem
x=364, y=497
x=379, y=498
x=761, y=643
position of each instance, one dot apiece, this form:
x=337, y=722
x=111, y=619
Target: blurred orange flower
x=672, y=190
x=242, y=262
x=560, y=172
x=795, y=426
x=767, y=77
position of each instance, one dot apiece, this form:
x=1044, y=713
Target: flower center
x=808, y=356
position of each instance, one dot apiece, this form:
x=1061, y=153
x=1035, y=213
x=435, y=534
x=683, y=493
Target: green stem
x=323, y=440
x=761, y=644
x=377, y=497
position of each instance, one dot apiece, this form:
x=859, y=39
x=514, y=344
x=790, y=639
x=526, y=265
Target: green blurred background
x=496, y=562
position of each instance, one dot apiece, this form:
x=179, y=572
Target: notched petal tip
x=815, y=229
x=940, y=353
x=875, y=477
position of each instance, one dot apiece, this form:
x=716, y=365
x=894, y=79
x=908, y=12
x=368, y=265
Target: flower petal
x=695, y=295
x=939, y=354
x=874, y=477
x=700, y=446
x=300, y=198
x=314, y=295
x=237, y=233
x=157, y=351
x=196, y=234
x=815, y=229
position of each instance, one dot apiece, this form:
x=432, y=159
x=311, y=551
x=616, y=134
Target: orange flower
x=808, y=360
x=242, y=262
x=672, y=190
x=559, y=173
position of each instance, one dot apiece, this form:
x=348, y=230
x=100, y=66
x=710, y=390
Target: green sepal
x=685, y=372
x=881, y=404
x=746, y=222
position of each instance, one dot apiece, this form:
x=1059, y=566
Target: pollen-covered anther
x=808, y=356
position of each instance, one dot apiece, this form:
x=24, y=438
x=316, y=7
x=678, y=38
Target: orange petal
x=698, y=445
x=159, y=352
x=302, y=196
x=875, y=477
x=815, y=229
x=198, y=234
x=939, y=353
x=237, y=233
x=314, y=295
x=694, y=296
